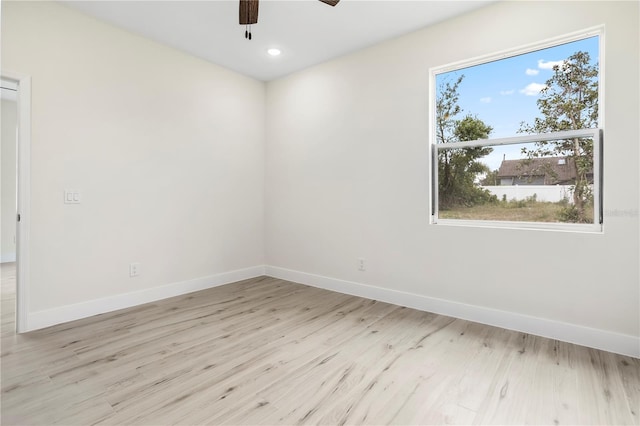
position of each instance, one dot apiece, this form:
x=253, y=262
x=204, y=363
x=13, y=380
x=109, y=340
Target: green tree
x=569, y=102
x=459, y=168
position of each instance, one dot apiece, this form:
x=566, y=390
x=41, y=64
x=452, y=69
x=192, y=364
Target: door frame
x=23, y=86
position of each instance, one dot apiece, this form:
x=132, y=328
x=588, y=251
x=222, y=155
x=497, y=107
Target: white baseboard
x=49, y=317
x=585, y=336
x=7, y=257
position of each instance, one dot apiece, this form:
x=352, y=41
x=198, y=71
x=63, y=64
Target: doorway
x=15, y=196
x=8, y=201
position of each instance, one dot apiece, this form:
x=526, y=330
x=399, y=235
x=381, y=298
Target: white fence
x=550, y=193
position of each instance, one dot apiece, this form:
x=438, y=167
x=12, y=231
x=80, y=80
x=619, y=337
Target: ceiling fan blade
x=330, y=2
x=248, y=12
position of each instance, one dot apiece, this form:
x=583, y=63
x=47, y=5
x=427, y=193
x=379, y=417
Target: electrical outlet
x=134, y=269
x=362, y=266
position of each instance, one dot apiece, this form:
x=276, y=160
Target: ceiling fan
x=249, y=13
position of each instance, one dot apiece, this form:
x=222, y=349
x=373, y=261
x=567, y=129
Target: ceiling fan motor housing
x=248, y=12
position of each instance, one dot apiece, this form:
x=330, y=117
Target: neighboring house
x=539, y=171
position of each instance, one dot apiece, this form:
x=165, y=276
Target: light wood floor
x=267, y=351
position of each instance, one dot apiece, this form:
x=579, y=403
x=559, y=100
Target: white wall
x=543, y=193
x=8, y=231
x=166, y=149
x=347, y=176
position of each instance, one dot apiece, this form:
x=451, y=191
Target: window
x=517, y=138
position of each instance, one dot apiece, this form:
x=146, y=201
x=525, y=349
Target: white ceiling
x=307, y=31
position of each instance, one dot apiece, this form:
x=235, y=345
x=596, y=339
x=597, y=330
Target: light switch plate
x=72, y=196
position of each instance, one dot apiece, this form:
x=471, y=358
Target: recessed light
x=274, y=52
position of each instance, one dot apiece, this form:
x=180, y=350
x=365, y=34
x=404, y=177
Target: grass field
x=517, y=211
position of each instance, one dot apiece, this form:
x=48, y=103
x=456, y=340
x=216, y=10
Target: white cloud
x=548, y=65
x=507, y=92
x=485, y=100
x=530, y=71
x=533, y=89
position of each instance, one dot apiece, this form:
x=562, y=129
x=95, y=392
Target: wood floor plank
x=267, y=351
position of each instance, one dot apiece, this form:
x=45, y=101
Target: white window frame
x=596, y=134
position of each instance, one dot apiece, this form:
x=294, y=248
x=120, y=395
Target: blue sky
x=504, y=93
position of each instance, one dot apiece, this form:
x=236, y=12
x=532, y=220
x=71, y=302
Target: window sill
x=590, y=228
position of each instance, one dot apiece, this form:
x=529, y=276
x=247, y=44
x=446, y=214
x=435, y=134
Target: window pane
x=549, y=181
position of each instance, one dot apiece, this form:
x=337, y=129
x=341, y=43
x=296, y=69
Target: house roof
x=554, y=169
